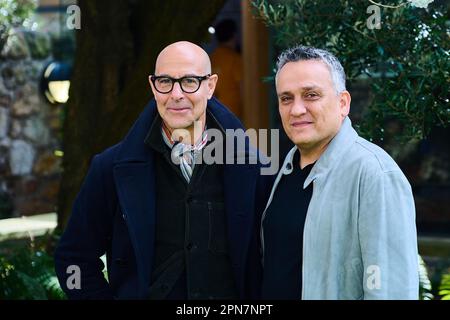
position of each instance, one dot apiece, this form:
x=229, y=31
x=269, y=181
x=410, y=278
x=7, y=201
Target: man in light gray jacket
x=340, y=221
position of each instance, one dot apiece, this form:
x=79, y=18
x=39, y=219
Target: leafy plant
x=28, y=273
x=406, y=59
x=425, y=288
x=13, y=13
x=444, y=287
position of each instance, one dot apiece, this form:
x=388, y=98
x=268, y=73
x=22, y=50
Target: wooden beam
x=255, y=54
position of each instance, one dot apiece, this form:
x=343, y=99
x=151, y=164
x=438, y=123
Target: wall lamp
x=55, y=82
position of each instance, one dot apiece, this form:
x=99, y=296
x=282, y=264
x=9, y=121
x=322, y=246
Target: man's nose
x=299, y=108
x=176, y=92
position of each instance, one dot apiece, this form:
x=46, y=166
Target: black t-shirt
x=283, y=235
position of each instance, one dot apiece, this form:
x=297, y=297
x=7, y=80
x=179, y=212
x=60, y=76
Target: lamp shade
x=55, y=82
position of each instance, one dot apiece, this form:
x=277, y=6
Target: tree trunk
x=116, y=50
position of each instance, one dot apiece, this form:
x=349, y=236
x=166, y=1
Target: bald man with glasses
x=170, y=229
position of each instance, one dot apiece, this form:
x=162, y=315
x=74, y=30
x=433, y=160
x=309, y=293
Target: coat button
x=289, y=166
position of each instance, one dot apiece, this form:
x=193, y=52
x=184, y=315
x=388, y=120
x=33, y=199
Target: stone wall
x=30, y=128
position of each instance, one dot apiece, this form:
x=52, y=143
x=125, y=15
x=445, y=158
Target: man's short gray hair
x=300, y=53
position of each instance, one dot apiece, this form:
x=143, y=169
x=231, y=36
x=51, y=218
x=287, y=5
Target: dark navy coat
x=114, y=212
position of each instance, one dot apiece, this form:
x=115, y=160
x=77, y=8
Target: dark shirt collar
x=296, y=163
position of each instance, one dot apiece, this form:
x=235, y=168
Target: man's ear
x=344, y=103
x=212, y=81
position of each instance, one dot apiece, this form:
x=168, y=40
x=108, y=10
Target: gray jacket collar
x=338, y=146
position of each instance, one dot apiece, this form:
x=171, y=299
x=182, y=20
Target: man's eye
x=164, y=81
x=285, y=99
x=190, y=80
x=312, y=95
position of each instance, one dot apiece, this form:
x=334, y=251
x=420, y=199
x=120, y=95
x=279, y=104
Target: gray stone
x=5, y=101
x=35, y=130
x=17, y=73
x=23, y=108
x=20, y=73
x=16, y=129
x=7, y=74
x=5, y=95
x=3, y=90
x=16, y=46
x=5, y=142
x=27, y=100
x=21, y=157
x=35, y=99
x=4, y=122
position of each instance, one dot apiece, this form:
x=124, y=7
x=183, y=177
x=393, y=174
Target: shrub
x=406, y=59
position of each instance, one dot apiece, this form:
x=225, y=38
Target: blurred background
x=73, y=78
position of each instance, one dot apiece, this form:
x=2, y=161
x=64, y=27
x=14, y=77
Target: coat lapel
x=239, y=188
x=134, y=178
x=135, y=183
x=239, y=208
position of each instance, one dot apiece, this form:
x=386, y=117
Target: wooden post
x=255, y=53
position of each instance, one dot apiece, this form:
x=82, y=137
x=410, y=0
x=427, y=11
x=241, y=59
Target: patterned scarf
x=182, y=153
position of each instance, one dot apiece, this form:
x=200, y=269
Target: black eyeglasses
x=189, y=84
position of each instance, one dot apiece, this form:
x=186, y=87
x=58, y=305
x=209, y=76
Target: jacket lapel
x=134, y=179
x=135, y=183
x=240, y=184
x=239, y=191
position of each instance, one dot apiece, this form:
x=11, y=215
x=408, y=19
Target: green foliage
x=13, y=13
x=444, y=288
x=28, y=273
x=407, y=59
x=425, y=288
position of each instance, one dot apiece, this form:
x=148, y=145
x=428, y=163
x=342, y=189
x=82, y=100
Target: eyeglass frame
x=153, y=79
